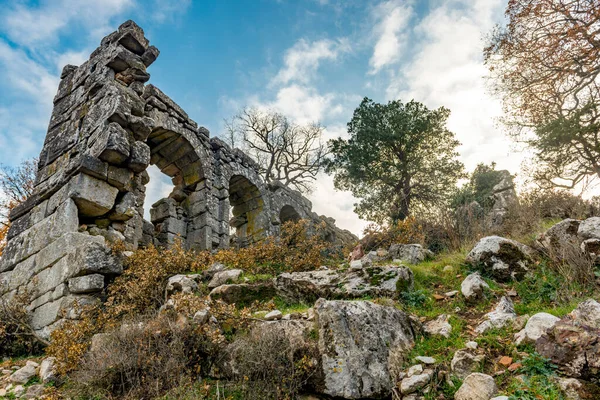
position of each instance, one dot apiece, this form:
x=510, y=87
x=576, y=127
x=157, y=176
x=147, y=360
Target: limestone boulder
x=536, y=326
x=589, y=228
x=409, y=253
x=243, y=293
x=573, y=343
x=223, y=277
x=382, y=281
x=415, y=382
x=504, y=259
x=561, y=239
x=477, y=386
x=182, y=283
x=360, y=343
x=474, y=287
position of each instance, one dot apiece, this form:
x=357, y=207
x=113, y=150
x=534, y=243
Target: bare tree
x=287, y=152
x=16, y=185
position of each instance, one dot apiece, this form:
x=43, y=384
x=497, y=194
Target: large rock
x=92, y=196
x=86, y=284
x=503, y=315
x=410, y=253
x=589, y=228
x=474, y=287
x=573, y=343
x=560, y=240
x=502, y=258
x=243, y=293
x=477, y=387
x=360, y=344
x=382, y=281
x=536, y=326
x=223, y=277
x=182, y=283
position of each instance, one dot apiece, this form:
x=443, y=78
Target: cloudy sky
x=313, y=60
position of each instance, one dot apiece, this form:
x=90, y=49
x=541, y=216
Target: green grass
x=437, y=346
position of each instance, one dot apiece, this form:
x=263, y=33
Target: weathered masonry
x=106, y=127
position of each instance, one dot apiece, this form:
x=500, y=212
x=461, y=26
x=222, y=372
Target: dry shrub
x=273, y=366
x=299, y=247
x=141, y=359
x=17, y=337
x=527, y=217
x=406, y=231
x=573, y=264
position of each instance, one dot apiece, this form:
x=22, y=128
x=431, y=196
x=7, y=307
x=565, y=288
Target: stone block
x=140, y=157
x=86, y=284
x=112, y=144
x=163, y=209
x=40, y=235
x=121, y=178
x=66, y=244
x=125, y=208
x=92, y=196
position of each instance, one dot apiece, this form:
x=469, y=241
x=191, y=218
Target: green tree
x=480, y=186
x=399, y=157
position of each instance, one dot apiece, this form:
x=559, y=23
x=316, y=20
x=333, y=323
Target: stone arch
x=288, y=213
x=248, y=211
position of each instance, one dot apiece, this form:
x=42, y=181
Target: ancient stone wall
x=106, y=127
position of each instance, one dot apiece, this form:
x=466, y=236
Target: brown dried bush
x=272, y=366
x=406, y=231
x=17, y=337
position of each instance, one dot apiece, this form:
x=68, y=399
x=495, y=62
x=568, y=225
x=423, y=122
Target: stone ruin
x=106, y=128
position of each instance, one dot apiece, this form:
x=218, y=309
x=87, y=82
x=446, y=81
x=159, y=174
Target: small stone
x=505, y=361
x=201, y=317
x=503, y=315
x=224, y=277
x=415, y=370
x=356, y=265
x=48, y=370
x=512, y=293
x=2, y=393
x=34, y=392
x=415, y=382
x=500, y=398
x=536, y=326
x=24, y=374
x=439, y=326
x=514, y=366
x=425, y=360
x=477, y=386
x=451, y=294
x=18, y=391
x=471, y=345
x=273, y=315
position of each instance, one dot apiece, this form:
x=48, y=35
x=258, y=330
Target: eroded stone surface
x=359, y=343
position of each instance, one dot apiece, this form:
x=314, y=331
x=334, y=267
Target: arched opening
x=247, y=216
x=288, y=213
x=173, y=156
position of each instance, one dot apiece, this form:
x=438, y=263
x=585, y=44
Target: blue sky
x=313, y=60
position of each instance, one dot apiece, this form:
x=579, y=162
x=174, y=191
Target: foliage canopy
x=399, y=157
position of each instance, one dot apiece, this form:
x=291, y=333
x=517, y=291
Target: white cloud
x=392, y=18
x=303, y=59
x=159, y=187
x=72, y=57
x=448, y=71
x=36, y=26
